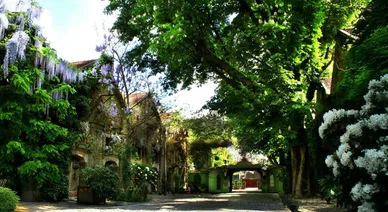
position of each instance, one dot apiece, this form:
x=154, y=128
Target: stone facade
x=176, y=155
x=107, y=130
x=147, y=134
x=103, y=135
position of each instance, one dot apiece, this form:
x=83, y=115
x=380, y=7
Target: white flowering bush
x=360, y=160
x=142, y=174
x=140, y=177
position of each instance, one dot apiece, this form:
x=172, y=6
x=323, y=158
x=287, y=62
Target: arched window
x=111, y=165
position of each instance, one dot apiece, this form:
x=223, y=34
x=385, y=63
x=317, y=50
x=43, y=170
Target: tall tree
x=267, y=53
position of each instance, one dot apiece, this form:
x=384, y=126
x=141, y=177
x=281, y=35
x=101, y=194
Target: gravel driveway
x=238, y=201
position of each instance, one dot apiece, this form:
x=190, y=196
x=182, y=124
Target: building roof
x=166, y=116
x=84, y=64
x=136, y=98
x=326, y=83
x=348, y=33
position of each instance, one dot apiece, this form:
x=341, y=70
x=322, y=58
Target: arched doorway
x=197, y=179
x=252, y=175
x=252, y=179
x=77, y=164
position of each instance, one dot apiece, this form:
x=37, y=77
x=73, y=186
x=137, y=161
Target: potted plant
x=98, y=184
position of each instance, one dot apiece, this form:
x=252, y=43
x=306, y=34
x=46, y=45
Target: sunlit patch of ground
x=32, y=207
x=19, y=208
x=201, y=200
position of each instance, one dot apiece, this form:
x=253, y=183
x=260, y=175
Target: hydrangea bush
x=360, y=162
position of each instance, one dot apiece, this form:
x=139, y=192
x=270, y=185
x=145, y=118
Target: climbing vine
x=36, y=135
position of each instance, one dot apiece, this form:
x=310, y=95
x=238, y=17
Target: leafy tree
x=268, y=54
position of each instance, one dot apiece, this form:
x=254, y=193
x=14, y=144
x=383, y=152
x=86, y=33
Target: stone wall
x=103, y=135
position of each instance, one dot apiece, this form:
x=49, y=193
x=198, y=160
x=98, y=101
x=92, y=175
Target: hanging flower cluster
x=115, y=143
x=3, y=20
x=120, y=73
x=17, y=44
x=15, y=49
x=363, y=148
x=113, y=110
x=33, y=14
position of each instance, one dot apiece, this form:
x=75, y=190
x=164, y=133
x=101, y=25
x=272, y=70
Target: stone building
x=108, y=129
x=147, y=134
x=176, y=154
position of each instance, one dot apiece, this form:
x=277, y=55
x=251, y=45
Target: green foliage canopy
x=268, y=55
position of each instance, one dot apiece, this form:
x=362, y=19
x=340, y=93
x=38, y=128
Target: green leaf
x=42, y=95
x=50, y=150
x=65, y=88
x=15, y=147
x=22, y=83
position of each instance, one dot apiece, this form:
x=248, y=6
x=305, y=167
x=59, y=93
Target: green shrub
x=8, y=199
x=102, y=180
x=54, y=191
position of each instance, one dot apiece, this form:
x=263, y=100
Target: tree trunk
x=294, y=168
x=288, y=188
x=308, y=177
x=301, y=171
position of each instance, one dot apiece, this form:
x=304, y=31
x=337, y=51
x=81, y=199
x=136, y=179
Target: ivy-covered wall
x=273, y=180
x=103, y=133
x=147, y=134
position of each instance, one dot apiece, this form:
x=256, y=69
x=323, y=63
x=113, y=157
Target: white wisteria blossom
x=85, y=126
x=33, y=14
x=15, y=49
x=3, y=22
x=116, y=138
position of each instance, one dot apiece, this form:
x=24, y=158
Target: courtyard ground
x=237, y=201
